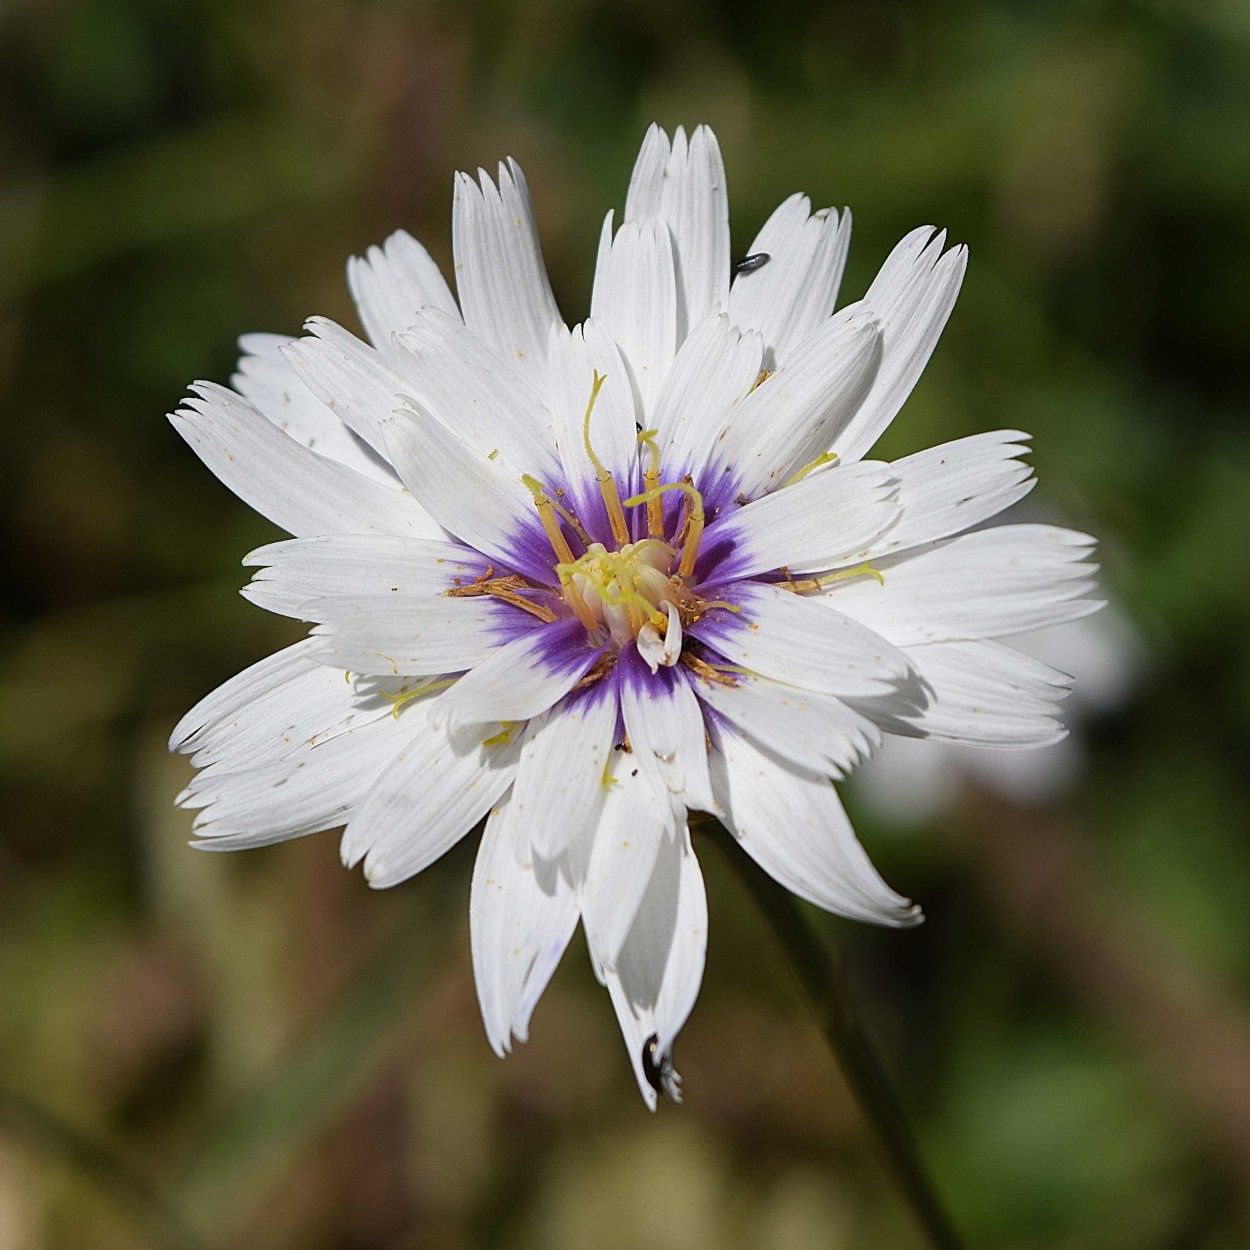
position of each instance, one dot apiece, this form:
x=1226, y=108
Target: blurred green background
x=260, y=1050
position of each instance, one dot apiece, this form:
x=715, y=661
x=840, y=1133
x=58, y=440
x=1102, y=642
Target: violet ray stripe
x=563, y=647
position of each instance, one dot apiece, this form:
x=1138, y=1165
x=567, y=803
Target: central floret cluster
x=621, y=591
x=638, y=591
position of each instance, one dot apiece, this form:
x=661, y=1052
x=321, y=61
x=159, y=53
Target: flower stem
x=823, y=978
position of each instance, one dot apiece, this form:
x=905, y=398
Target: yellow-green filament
x=859, y=570
x=694, y=519
x=403, y=697
x=595, y=387
x=607, y=484
x=651, y=479
x=506, y=729
x=825, y=457
x=829, y=579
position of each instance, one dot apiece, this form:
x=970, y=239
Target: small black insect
x=659, y=1072
x=749, y=264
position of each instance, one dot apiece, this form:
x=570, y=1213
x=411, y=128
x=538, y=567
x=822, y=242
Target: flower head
x=582, y=582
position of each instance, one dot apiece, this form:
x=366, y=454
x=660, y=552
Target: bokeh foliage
x=258, y=1051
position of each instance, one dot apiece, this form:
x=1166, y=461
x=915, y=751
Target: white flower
x=580, y=581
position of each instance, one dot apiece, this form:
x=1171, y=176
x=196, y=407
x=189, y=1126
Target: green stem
x=823, y=979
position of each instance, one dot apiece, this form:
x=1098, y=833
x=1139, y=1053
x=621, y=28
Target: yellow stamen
x=828, y=579
x=607, y=484
x=651, y=480
x=403, y=697
x=574, y=524
x=598, y=671
x=606, y=780
x=859, y=570
x=825, y=457
x=573, y=597
x=694, y=520
x=547, y=515
x=718, y=673
x=506, y=729
x=761, y=378
x=508, y=589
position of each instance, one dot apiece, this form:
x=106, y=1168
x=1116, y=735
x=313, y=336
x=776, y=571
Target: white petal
x=792, y=417
x=983, y=694
x=715, y=368
x=265, y=378
x=816, y=732
x=520, y=921
x=316, y=790
x=295, y=488
x=664, y=724
x=295, y=572
x=634, y=820
x=987, y=584
x=426, y=800
x=954, y=486
x=825, y=520
x=287, y=721
x=657, y=651
x=524, y=677
x=795, y=290
x=793, y=825
x=488, y=400
x=392, y=282
x=504, y=292
x=635, y=297
x=645, y=198
x=660, y=967
x=912, y=296
x=682, y=184
x=356, y=382
x=410, y=635
x=560, y=784
x=481, y=501
x=231, y=697
x=572, y=363
x=1104, y=653
x=781, y=635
